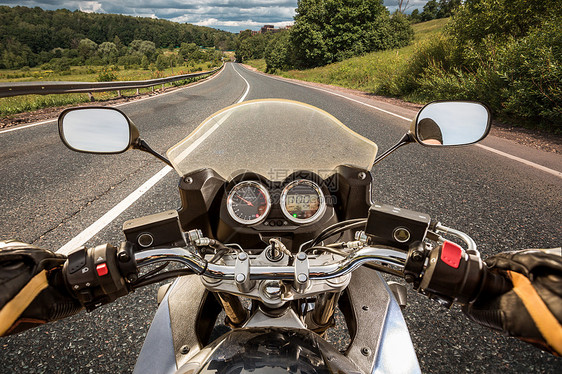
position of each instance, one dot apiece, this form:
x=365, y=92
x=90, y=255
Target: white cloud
x=90, y=6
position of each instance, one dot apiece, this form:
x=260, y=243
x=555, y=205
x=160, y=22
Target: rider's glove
x=532, y=309
x=32, y=291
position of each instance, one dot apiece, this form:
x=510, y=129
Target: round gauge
x=302, y=201
x=248, y=202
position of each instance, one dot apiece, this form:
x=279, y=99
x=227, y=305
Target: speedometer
x=302, y=201
x=248, y=202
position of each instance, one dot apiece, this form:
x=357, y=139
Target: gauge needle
x=244, y=200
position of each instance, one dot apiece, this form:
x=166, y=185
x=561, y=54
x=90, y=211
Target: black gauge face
x=302, y=201
x=248, y=203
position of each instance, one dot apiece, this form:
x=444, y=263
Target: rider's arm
x=532, y=309
x=32, y=291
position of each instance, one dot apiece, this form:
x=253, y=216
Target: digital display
x=302, y=206
x=303, y=201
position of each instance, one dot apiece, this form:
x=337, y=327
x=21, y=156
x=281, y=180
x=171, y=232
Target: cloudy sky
x=230, y=15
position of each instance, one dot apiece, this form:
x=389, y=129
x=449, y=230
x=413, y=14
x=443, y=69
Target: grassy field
x=372, y=72
x=26, y=103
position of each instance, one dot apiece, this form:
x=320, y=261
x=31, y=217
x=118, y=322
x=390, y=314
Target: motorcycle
x=278, y=237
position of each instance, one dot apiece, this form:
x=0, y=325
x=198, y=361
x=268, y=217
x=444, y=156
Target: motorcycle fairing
x=186, y=309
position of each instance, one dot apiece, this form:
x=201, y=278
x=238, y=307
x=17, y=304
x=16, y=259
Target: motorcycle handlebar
x=385, y=255
x=101, y=274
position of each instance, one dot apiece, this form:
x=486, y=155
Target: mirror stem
x=143, y=146
x=406, y=139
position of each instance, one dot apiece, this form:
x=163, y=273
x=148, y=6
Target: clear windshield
x=273, y=138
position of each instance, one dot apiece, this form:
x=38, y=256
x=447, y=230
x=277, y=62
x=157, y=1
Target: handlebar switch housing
x=451, y=274
x=414, y=266
x=93, y=275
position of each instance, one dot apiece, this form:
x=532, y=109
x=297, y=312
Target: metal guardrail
x=46, y=88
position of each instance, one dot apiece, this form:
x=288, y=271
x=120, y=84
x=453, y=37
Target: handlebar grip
x=452, y=274
x=495, y=284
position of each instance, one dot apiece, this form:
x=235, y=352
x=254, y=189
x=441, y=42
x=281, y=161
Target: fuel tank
x=269, y=350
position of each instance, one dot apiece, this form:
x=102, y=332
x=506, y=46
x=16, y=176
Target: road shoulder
x=536, y=139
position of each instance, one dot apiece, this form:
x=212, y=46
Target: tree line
x=434, y=9
x=327, y=31
x=33, y=36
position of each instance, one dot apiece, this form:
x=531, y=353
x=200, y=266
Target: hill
x=27, y=35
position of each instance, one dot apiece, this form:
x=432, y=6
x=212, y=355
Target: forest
x=33, y=36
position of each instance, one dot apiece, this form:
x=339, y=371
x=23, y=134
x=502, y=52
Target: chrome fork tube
x=324, y=310
x=235, y=312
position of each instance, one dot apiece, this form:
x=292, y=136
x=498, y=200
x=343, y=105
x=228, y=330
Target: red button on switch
x=101, y=269
x=451, y=254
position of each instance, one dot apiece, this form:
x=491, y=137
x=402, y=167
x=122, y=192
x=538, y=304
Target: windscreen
x=273, y=138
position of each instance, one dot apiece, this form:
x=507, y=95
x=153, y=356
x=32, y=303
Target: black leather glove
x=32, y=291
x=532, y=309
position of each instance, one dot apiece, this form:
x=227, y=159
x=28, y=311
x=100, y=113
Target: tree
x=332, y=30
x=402, y=6
x=278, y=52
x=252, y=47
x=188, y=51
x=162, y=62
x=108, y=52
x=144, y=48
x=430, y=10
x=87, y=48
x=415, y=16
x=447, y=7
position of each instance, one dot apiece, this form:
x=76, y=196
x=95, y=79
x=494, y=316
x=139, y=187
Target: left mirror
x=96, y=130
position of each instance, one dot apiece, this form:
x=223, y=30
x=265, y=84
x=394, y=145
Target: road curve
x=49, y=195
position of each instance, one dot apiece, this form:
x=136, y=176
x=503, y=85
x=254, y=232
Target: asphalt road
x=49, y=195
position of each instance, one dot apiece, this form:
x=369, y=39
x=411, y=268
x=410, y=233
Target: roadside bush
x=129, y=60
x=515, y=65
x=532, y=68
x=162, y=62
x=107, y=75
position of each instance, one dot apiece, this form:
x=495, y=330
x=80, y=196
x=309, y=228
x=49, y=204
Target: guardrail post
x=138, y=92
x=118, y=93
x=91, y=96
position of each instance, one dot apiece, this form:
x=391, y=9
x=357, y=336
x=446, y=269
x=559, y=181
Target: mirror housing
x=451, y=123
x=101, y=130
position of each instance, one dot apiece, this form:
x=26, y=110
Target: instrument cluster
x=301, y=201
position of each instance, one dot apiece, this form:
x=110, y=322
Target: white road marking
x=108, y=217
x=504, y=154
x=247, y=86
x=30, y=125
x=340, y=95
x=522, y=160
x=118, y=105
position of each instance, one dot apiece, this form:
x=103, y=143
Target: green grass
x=26, y=103
x=373, y=72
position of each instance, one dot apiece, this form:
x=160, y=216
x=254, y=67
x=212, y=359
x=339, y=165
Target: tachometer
x=302, y=201
x=248, y=202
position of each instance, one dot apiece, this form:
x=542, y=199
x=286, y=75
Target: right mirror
x=452, y=123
